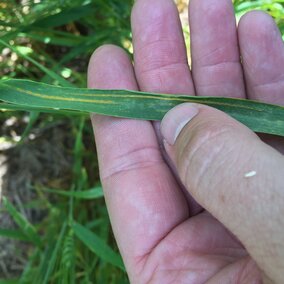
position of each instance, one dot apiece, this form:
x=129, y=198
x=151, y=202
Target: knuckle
x=135, y=160
x=154, y=55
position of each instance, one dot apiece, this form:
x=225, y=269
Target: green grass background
x=51, y=41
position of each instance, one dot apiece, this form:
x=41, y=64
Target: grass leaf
x=34, y=115
x=260, y=117
x=54, y=255
x=92, y=193
x=64, y=17
x=27, y=275
x=27, y=228
x=11, y=281
x=97, y=245
x=44, y=69
x=13, y=234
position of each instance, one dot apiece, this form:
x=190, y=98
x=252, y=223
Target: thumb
x=232, y=174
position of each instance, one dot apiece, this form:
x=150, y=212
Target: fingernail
x=176, y=119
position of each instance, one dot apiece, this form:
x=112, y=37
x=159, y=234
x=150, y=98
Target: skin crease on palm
x=163, y=235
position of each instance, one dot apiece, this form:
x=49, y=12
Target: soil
x=45, y=158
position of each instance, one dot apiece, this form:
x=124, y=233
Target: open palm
x=163, y=235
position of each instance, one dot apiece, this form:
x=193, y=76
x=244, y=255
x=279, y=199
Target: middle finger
x=159, y=49
x=216, y=66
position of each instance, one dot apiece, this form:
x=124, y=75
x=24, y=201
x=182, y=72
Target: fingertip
x=106, y=52
x=199, y=117
x=256, y=24
x=110, y=66
x=176, y=119
x=105, y=49
x=141, y=9
x=262, y=52
x=147, y=15
x=210, y=8
x=258, y=36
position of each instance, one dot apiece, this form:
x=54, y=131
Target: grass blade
x=64, y=17
x=97, y=245
x=93, y=193
x=54, y=256
x=27, y=274
x=33, y=117
x=260, y=117
x=13, y=234
x=11, y=281
x=50, y=73
x=14, y=107
x=27, y=228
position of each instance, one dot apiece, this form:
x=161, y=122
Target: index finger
x=140, y=191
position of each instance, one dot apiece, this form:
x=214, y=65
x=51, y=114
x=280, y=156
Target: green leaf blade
x=259, y=117
x=27, y=228
x=90, y=194
x=13, y=234
x=97, y=245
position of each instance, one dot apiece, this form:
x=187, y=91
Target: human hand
x=162, y=234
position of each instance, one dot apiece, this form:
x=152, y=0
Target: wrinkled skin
x=164, y=236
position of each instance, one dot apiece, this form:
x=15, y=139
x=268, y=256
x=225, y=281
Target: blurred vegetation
x=70, y=241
